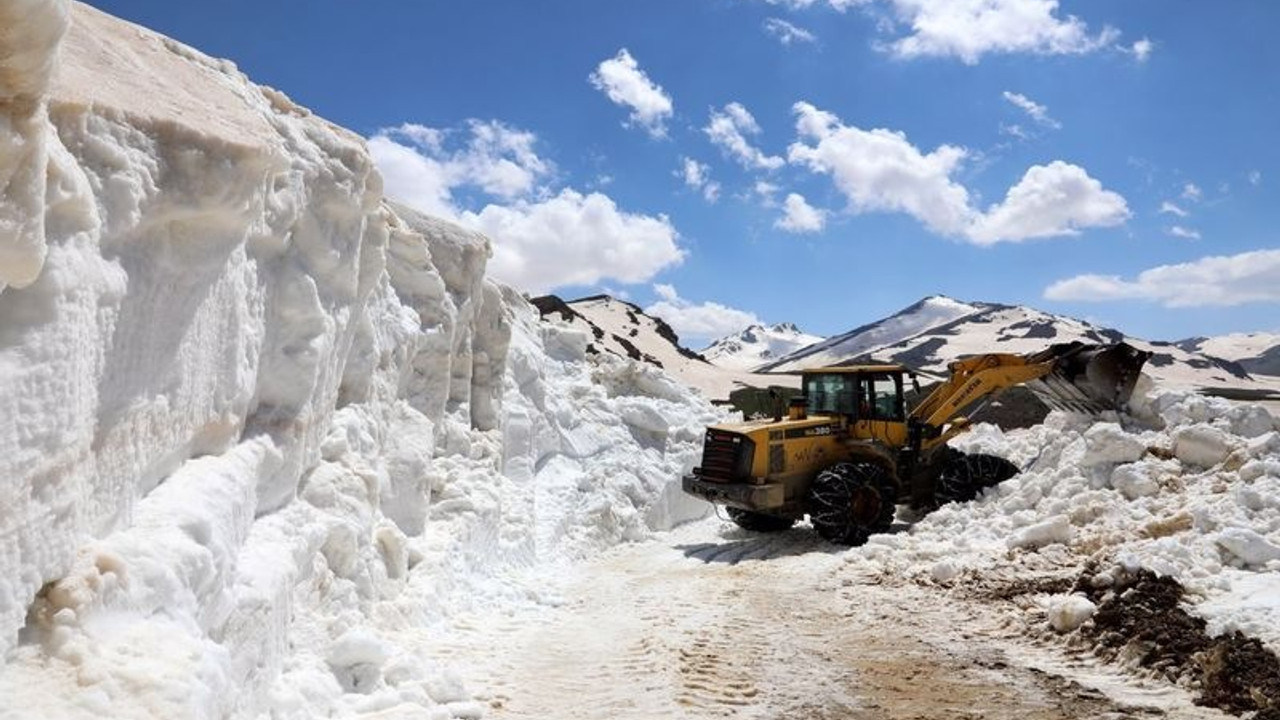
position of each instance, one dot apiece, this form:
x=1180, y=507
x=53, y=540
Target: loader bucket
x=1089, y=378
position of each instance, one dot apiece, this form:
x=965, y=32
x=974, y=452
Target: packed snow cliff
x=260, y=430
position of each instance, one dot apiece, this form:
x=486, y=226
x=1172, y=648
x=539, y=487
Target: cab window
x=885, y=396
x=830, y=394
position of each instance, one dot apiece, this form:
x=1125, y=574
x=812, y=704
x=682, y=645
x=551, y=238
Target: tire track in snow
x=732, y=626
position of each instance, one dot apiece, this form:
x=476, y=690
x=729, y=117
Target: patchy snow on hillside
x=757, y=345
x=927, y=314
x=937, y=330
x=623, y=329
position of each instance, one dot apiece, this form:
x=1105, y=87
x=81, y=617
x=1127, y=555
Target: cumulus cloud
x=800, y=217
x=1038, y=112
x=574, y=239
x=622, y=80
x=1050, y=200
x=766, y=191
x=786, y=32
x=1255, y=177
x=541, y=239
x=969, y=29
x=697, y=175
x=1168, y=208
x=1185, y=233
x=705, y=321
x=880, y=170
x=1141, y=49
x=728, y=130
x=1192, y=192
x=421, y=167
x=1211, y=281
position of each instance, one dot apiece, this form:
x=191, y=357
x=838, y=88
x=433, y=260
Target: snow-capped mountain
x=931, y=333
x=1258, y=353
x=758, y=345
x=624, y=329
x=929, y=313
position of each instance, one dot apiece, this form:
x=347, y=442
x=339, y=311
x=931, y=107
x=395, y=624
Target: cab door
x=880, y=413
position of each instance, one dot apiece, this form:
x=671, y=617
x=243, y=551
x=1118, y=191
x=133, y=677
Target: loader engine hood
x=729, y=448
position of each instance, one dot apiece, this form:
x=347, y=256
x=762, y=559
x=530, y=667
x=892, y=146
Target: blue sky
x=823, y=162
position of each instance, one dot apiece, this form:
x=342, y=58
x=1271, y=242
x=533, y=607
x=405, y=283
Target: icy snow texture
x=262, y=432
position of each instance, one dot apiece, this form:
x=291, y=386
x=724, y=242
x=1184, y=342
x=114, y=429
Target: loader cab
x=858, y=393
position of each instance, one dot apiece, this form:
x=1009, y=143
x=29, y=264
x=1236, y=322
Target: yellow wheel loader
x=849, y=449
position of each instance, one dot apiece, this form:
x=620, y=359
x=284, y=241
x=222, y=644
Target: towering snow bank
x=32, y=29
x=254, y=421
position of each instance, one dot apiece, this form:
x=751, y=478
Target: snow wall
x=260, y=429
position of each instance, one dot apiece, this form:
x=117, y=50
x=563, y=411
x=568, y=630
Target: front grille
x=726, y=456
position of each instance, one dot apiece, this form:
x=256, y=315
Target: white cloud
x=969, y=29
x=1255, y=177
x=413, y=177
x=621, y=78
x=1192, y=192
x=1211, y=281
x=766, y=191
x=1014, y=130
x=1169, y=208
x=729, y=129
x=786, y=32
x=1038, y=112
x=1141, y=49
x=540, y=240
x=800, y=216
x=1185, y=233
x=1049, y=201
x=698, y=176
x=880, y=170
x=574, y=239
x=420, y=168
x=706, y=321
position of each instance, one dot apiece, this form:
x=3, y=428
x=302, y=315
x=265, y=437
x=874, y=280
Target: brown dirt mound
x=1141, y=616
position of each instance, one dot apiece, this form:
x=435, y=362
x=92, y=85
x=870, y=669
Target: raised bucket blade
x=1089, y=378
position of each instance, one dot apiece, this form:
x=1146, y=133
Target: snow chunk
x=356, y=659
x=1202, y=445
x=1135, y=480
x=1250, y=548
x=1068, y=612
x=1109, y=443
x=1055, y=530
x=944, y=571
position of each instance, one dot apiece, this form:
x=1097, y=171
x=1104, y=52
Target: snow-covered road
x=708, y=621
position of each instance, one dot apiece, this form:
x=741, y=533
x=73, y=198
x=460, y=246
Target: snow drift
x=262, y=430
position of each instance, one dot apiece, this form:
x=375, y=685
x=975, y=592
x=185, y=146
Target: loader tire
x=849, y=502
x=967, y=475
x=758, y=522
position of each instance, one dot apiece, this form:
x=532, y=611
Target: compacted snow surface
x=273, y=444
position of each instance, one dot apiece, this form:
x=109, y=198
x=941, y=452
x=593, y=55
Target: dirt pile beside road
x=1140, y=618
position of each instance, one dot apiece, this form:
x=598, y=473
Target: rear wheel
x=967, y=475
x=848, y=502
x=758, y=522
